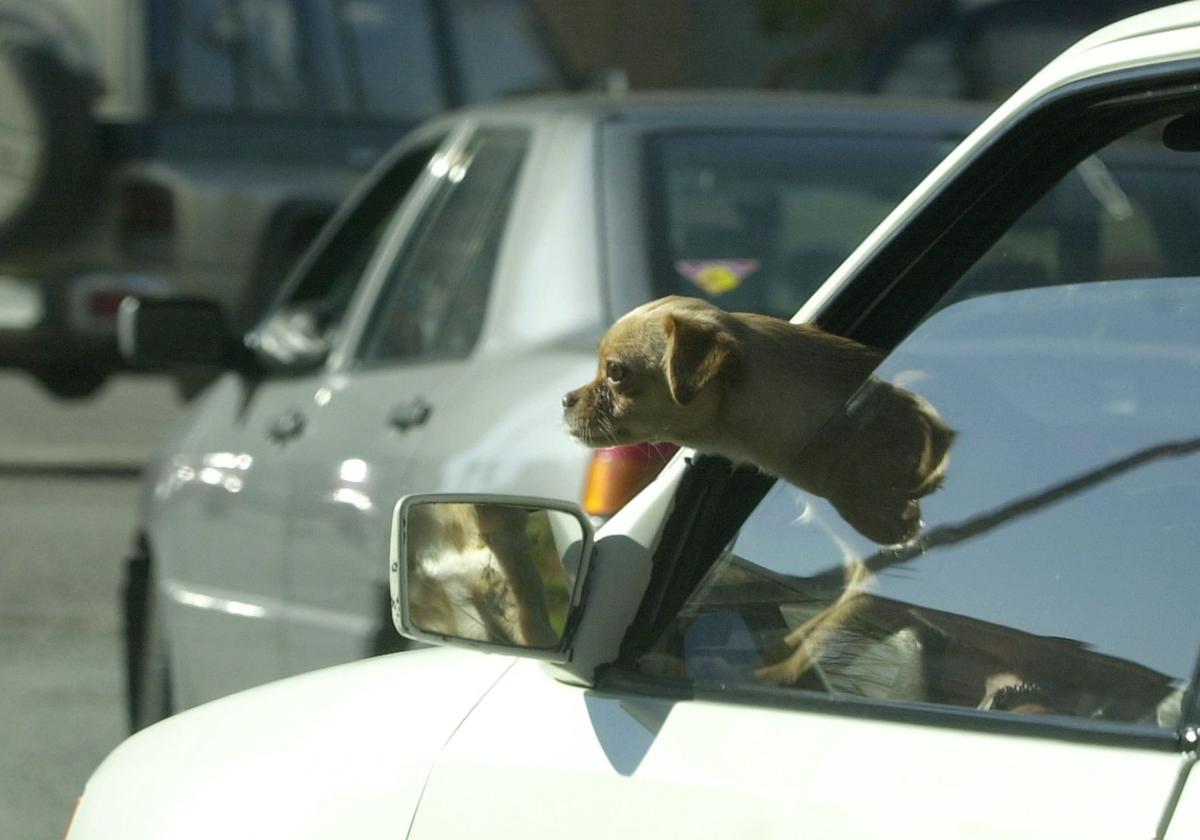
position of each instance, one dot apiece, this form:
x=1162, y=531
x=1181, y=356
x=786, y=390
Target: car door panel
x=423, y=318
x=1185, y=816
x=353, y=466
x=219, y=520
x=611, y=765
x=218, y=540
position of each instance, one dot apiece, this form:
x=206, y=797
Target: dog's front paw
x=790, y=670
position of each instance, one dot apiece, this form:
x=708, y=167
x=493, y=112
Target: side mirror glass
x=495, y=572
x=177, y=333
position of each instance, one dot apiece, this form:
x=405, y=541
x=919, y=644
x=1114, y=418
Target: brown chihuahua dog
x=769, y=392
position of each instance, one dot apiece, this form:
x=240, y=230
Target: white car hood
x=342, y=752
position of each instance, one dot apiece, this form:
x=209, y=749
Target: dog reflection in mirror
x=768, y=392
x=470, y=575
x=797, y=402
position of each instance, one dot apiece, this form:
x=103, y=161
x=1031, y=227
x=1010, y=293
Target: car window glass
x=1129, y=211
x=204, y=76
x=755, y=223
x=436, y=293
x=1052, y=572
x=926, y=68
x=304, y=324
x=272, y=55
x=240, y=55
x=500, y=49
x=391, y=58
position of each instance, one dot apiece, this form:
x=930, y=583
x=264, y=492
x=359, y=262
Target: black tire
x=147, y=667
x=189, y=386
x=75, y=383
x=49, y=159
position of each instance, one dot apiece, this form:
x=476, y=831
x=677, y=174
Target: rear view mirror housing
x=504, y=574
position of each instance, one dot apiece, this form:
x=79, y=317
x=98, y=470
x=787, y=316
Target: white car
x=426, y=339
x=1025, y=668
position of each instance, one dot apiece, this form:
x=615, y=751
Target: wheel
x=71, y=383
x=188, y=386
x=49, y=160
x=147, y=668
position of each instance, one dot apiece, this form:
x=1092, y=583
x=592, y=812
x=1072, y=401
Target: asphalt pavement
x=68, y=490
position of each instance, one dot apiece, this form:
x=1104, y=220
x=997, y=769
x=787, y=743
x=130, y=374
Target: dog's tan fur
x=764, y=391
x=470, y=575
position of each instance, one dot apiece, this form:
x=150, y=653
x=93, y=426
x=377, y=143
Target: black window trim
x=880, y=305
x=623, y=681
x=526, y=134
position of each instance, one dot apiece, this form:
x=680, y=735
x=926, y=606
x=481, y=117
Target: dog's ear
x=696, y=352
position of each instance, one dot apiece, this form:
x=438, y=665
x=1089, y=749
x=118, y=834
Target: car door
x=1021, y=672
x=416, y=331
x=219, y=530
x=1025, y=667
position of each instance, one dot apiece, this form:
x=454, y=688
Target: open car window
x=1049, y=568
x=308, y=317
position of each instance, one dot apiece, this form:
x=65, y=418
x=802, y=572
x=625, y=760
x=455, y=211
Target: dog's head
x=659, y=376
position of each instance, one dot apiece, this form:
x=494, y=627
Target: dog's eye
x=615, y=371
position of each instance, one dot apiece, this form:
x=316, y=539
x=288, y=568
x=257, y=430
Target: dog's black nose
x=569, y=399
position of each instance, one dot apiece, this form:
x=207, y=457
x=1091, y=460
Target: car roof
x=1168, y=18
x=735, y=107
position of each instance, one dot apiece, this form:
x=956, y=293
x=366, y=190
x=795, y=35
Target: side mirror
x=499, y=573
x=173, y=334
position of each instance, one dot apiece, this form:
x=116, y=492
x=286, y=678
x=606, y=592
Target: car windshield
x=754, y=222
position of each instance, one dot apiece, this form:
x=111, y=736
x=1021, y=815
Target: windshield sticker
x=716, y=277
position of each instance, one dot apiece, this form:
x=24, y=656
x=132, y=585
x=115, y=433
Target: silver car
x=424, y=343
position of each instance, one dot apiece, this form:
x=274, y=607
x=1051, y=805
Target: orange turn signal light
x=618, y=473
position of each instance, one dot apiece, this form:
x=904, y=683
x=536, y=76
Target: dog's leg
x=808, y=640
x=503, y=531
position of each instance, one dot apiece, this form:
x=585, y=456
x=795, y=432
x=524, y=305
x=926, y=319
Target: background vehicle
x=427, y=338
x=983, y=51
x=166, y=148
x=1059, y=550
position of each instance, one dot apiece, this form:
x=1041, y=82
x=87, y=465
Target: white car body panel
x=243, y=767
x=317, y=756
x=236, y=487
x=720, y=770
x=552, y=236
x=1185, y=821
